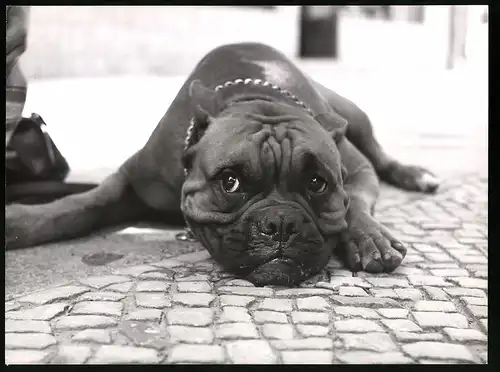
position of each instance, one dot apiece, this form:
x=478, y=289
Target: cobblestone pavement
x=184, y=309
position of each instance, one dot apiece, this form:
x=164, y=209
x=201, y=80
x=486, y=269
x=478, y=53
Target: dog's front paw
x=409, y=177
x=368, y=245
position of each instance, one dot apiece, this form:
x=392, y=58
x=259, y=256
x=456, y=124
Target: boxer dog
x=271, y=171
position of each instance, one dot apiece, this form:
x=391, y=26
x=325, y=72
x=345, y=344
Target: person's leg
x=15, y=85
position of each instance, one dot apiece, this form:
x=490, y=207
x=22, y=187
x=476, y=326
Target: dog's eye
x=317, y=184
x=230, y=182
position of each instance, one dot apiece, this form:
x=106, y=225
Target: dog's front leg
x=366, y=244
x=112, y=202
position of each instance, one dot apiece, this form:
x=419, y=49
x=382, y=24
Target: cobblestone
x=118, y=354
x=103, y=281
x=436, y=294
x=193, y=299
x=307, y=357
x=427, y=280
x=357, y=325
x=366, y=357
x=153, y=300
x=352, y=291
x=11, y=305
x=314, y=303
x=450, y=272
x=85, y=321
x=297, y=292
x=46, y=312
x=413, y=336
x=120, y=287
x=438, y=350
x=478, y=311
x=302, y=317
x=193, y=278
x=312, y=330
x=262, y=353
x=152, y=286
x=340, y=281
x=412, y=294
x=401, y=325
x=393, y=313
x=263, y=316
x=234, y=314
x=134, y=271
x=101, y=296
x=348, y=311
x=53, y=294
x=438, y=319
x=187, y=316
x=197, y=287
x=196, y=354
x=443, y=306
x=484, y=322
x=239, y=283
x=472, y=283
x=312, y=343
x=27, y=326
x=236, y=331
x=277, y=331
x=168, y=263
x=379, y=342
x=470, y=292
x=246, y=291
x=276, y=304
x=193, y=335
x=366, y=301
x=228, y=300
x=463, y=335
x=25, y=356
x=481, y=301
x=384, y=292
x=388, y=282
x=144, y=314
x=28, y=340
x=101, y=336
x=72, y=354
x=98, y=308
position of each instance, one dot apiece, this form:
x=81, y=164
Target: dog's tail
x=43, y=191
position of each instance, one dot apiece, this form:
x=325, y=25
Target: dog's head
x=264, y=190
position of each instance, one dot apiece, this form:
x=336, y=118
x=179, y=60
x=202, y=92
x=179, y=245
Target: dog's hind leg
x=360, y=134
x=112, y=202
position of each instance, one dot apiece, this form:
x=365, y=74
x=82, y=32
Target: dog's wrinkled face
x=264, y=192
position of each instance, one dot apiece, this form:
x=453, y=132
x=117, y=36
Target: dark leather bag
x=31, y=155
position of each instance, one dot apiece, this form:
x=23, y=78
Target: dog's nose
x=279, y=225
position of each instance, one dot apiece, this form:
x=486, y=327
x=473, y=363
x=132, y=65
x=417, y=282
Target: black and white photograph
x=217, y=184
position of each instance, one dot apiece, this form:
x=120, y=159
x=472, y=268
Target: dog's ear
x=205, y=104
x=204, y=97
x=335, y=124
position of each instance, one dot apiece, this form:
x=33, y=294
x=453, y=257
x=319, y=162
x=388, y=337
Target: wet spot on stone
x=101, y=258
x=144, y=334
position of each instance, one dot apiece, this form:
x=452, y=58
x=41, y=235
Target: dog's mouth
x=279, y=270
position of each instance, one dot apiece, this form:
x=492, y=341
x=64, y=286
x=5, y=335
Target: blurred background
x=419, y=72
x=84, y=41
